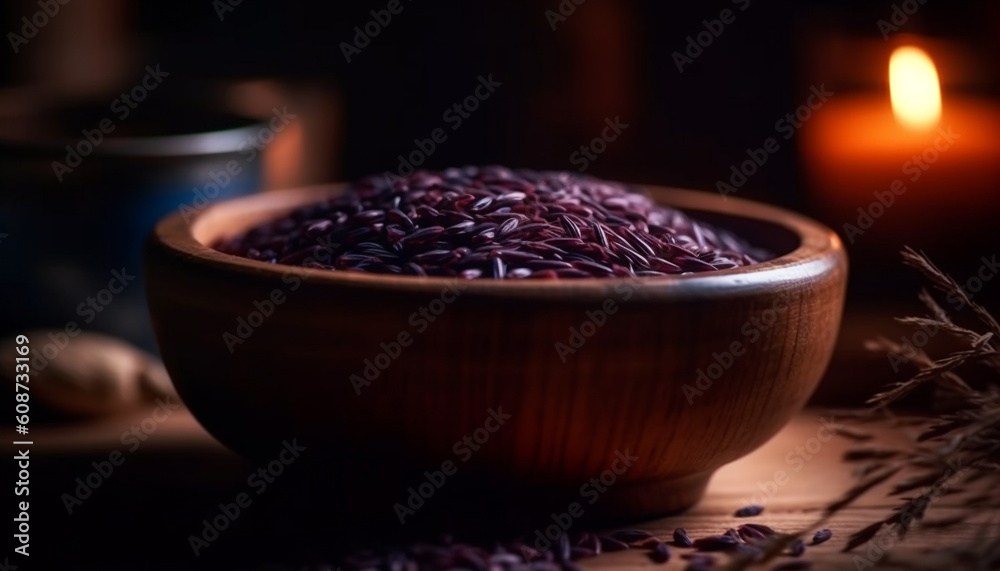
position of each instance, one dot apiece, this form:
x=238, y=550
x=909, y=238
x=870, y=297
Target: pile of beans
x=493, y=222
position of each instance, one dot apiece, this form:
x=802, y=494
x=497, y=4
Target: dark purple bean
x=715, y=543
x=661, y=265
x=484, y=237
x=821, y=536
x=318, y=228
x=616, y=221
x=517, y=256
x=499, y=269
x=508, y=200
x=564, y=550
x=539, y=264
x=424, y=211
x=749, y=511
x=640, y=243
x=592, y=542
x=681, y=538
x=572, y=230
x=394, y=234
x=424, y=235
x=768, y=531
x=750, y=534
x=471, y=273
x=661, y=553
x=454, y=217
x=399, y=217
x=369, y=216
x=463, y=226
x=529, y=230
x=348, y=259
x=507, y=227
x=599, y=234
x=691, y=263
x=415, y=269
x=543, y=248
x=481, y=204
x=634, y=257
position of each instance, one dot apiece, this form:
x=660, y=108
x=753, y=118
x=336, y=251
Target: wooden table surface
x=181, y=455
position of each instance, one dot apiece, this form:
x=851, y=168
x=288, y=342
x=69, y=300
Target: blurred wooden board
x=180, y=460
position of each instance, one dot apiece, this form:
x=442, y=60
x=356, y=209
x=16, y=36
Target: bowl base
x=652, y=498
x=388, y=504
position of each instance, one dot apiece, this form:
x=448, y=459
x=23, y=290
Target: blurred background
x=115, y=113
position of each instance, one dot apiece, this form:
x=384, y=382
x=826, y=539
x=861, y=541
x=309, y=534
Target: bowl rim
x=820, y=252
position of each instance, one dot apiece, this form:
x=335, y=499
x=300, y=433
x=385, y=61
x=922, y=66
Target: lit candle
x=910, y=168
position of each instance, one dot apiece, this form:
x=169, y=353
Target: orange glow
x=914, y=88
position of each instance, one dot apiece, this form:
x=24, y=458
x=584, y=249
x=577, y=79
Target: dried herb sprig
x=961, y=443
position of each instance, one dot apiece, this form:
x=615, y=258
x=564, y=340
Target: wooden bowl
x=678, y=374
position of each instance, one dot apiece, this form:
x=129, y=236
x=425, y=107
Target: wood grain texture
x=494, y=346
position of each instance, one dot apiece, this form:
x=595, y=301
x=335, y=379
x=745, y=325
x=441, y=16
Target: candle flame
x=914, y=88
